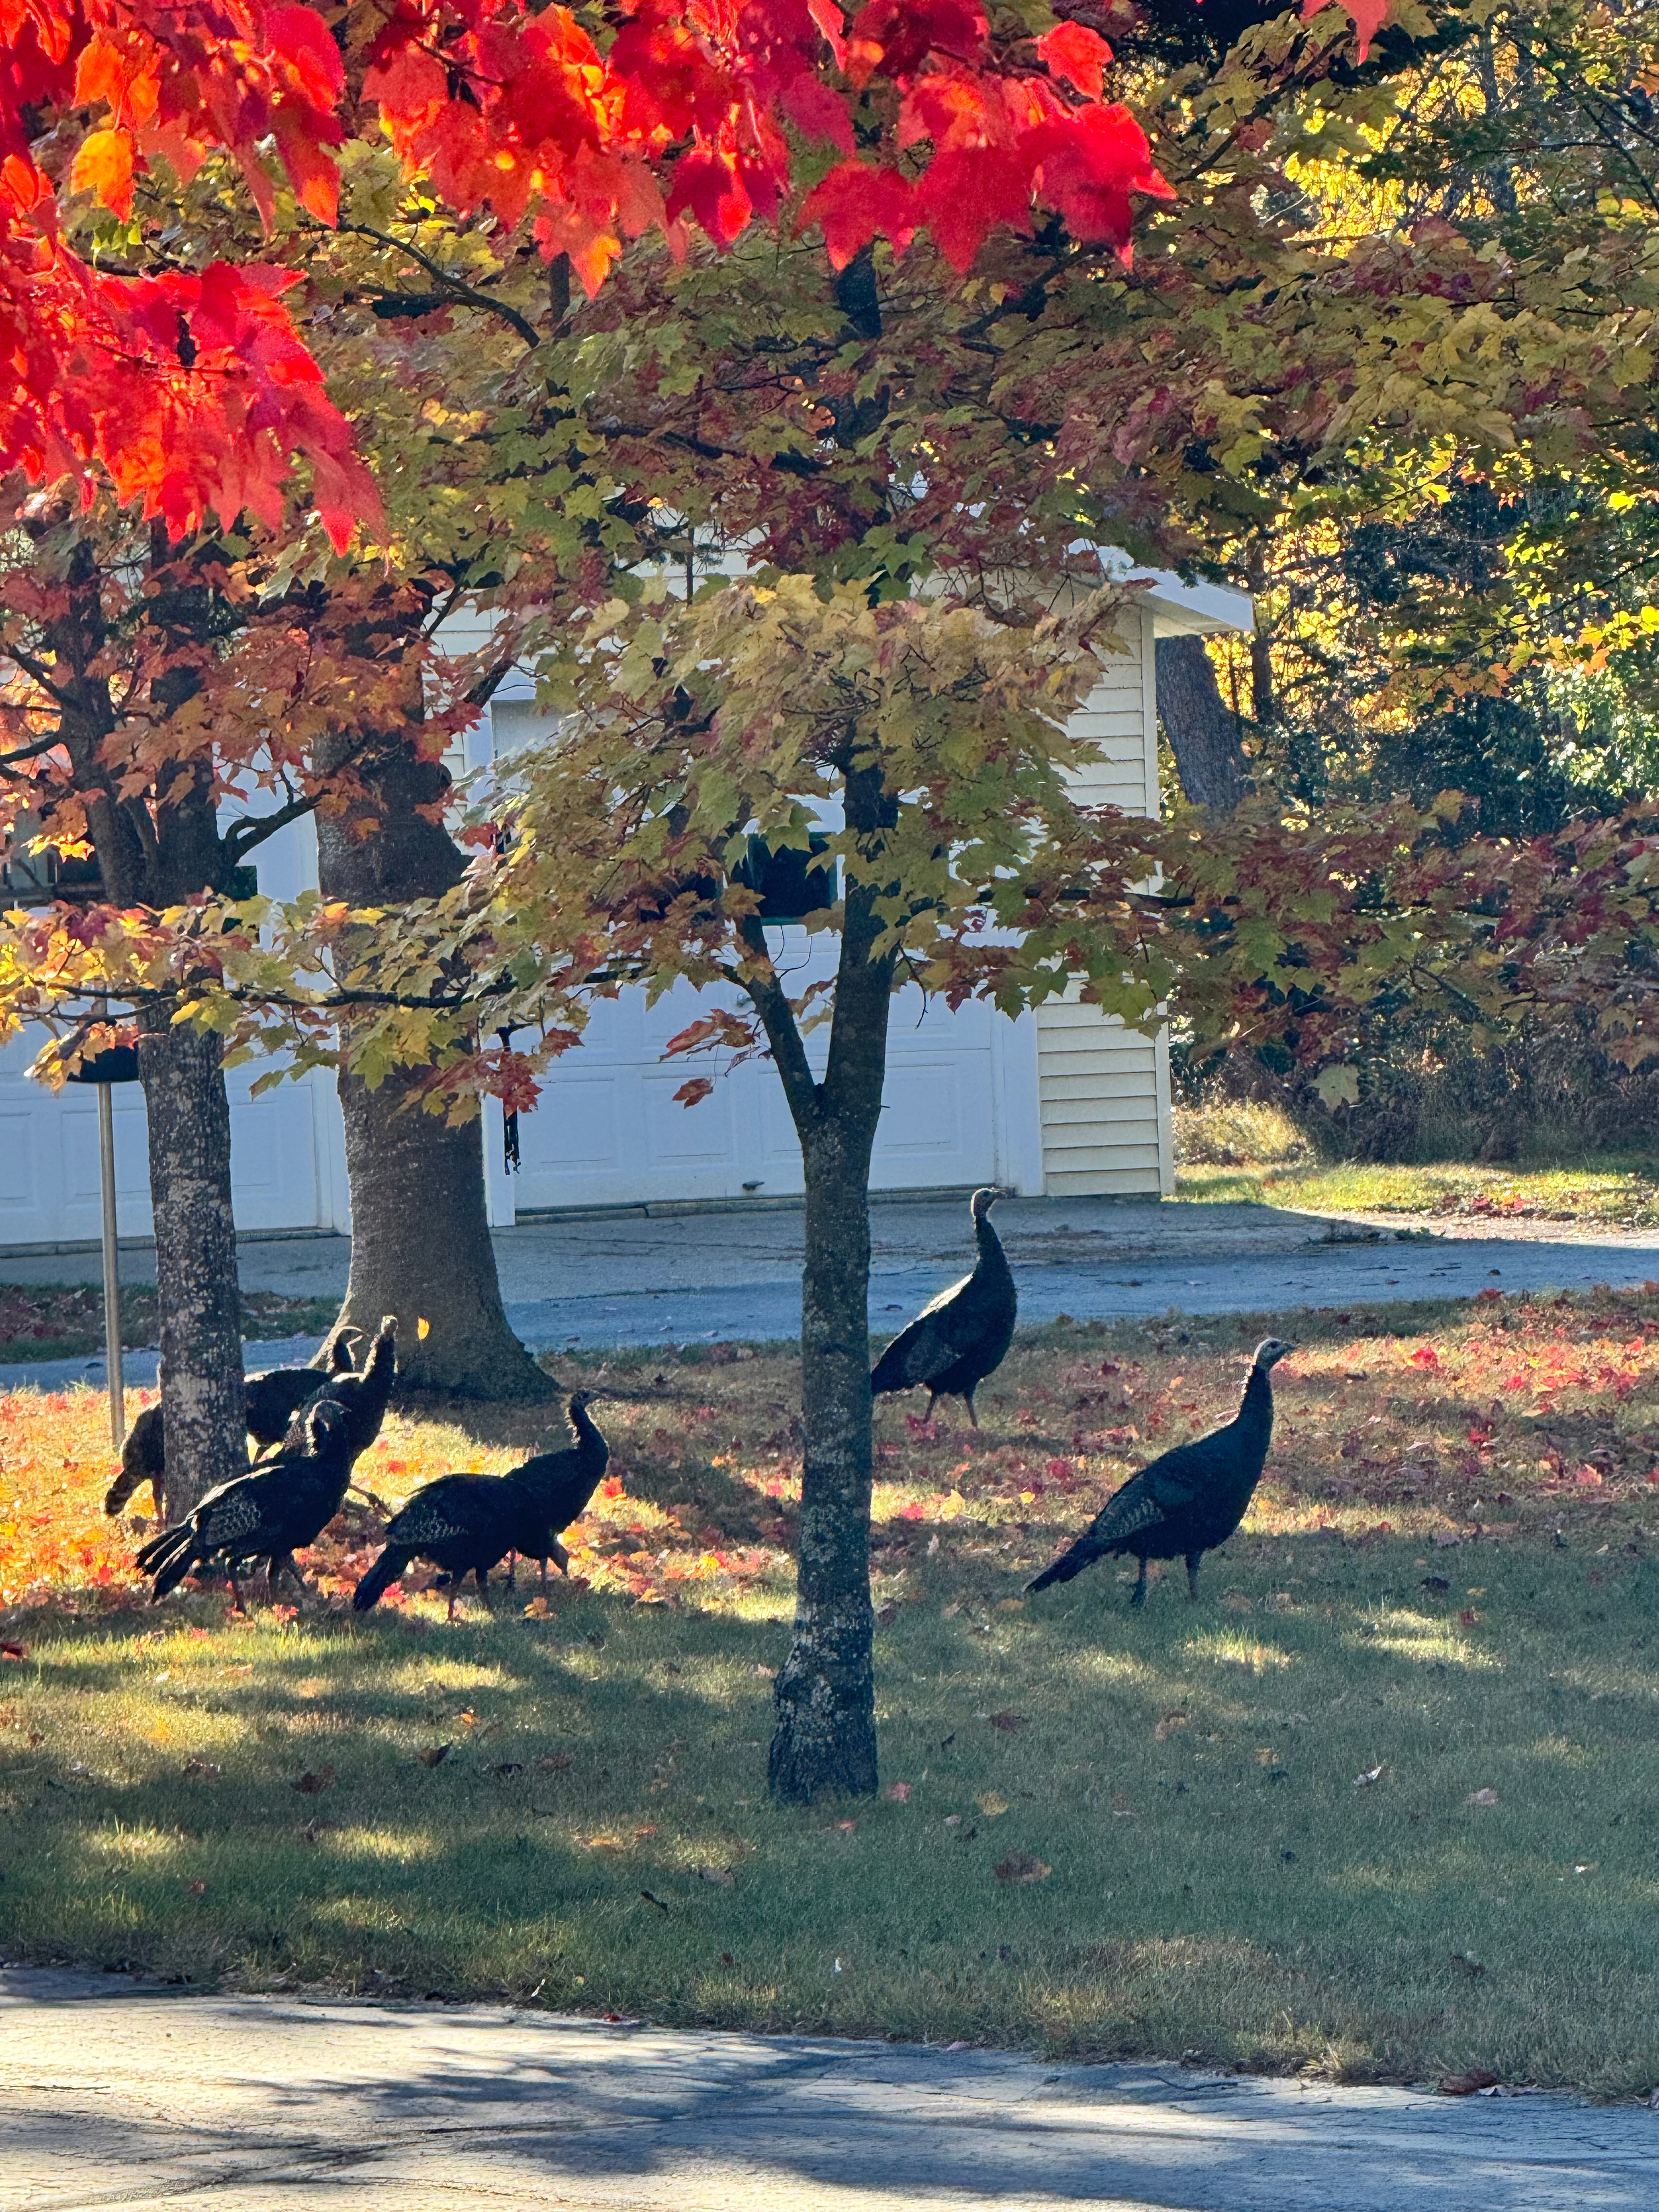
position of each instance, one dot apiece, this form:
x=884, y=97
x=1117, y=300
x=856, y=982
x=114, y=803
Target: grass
x=1105, y=1833
x=1238, y=1150
x=65, y=1321
x=1606, y=1193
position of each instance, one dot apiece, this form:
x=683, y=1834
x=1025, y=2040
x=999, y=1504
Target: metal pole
x=117, y=1400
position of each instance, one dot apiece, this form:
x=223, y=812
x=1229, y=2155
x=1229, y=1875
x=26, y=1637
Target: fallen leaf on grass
x=1010, y=1723
x=899, y=1792
x=1364, y=1781
x=846, y=1827
x=1469, y=1616
x=992, y=1804
x=1467, y=2085
x=310, y=1784
x=722, y=1877
x=770, y=1672
x=1020, y=1868
x=1481, y=1797
x=203, y=1770
x=551, y=1762
x=196, y=1888
x=12, y=1649
x=435, y=1755
x=1166, y=1728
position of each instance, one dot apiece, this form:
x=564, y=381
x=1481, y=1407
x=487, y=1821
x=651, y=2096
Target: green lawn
x=1253, y=1829
x=598, y=1833
x=1611, y=1193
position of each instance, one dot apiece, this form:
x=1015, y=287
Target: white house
x=1063, y=1102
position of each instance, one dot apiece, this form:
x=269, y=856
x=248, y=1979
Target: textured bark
x=824, y=1742
x=1209, y=756
x=420, y=1233
x=159, y=849
x=202, y=1406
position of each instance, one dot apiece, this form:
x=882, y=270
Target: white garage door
x=49, y=1191
x=608, y=1131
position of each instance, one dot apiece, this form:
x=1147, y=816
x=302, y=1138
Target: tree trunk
x=824, y=1742
x=1203, y=735
x=420, y=1233
x=203, y=1407
x=420, y=1248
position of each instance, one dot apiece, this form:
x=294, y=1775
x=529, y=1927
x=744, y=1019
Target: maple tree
x=191, y=394
x=190, y=391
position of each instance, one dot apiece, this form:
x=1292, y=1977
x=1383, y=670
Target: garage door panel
x=688, y=1136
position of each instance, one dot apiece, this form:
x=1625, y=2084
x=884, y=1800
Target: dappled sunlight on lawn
x=1331, y=1817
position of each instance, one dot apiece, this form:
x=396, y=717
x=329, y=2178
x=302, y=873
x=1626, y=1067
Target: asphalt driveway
x=668, y=1276
x=115, y=2094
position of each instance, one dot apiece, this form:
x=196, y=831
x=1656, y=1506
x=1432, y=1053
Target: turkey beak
x=560, y=1557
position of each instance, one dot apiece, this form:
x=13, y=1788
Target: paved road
x=611, y=1280
x=113, y=2095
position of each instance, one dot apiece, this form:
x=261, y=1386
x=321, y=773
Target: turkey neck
x=594, y=1450
x=1253, y=1424
x=993, y=1261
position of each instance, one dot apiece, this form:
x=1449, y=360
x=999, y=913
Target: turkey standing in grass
x=561, y=1482
x=269, y=1513
x=1188, y=1500
x=964, y=1335
x=464, y=1523
x=273, y=1400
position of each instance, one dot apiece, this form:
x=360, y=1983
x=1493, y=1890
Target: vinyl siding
x=1102, y=1089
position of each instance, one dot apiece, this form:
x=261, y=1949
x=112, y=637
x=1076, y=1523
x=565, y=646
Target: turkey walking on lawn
x=269, y=1513
x=273, y=1399
x=561, y=1482
x=464, y=1523
x=964, y=1335
x=1188, y=1500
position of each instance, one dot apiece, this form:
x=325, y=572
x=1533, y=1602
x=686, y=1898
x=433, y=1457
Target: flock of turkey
x=320, y=1418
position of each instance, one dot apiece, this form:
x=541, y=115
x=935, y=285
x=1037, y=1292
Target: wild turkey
x=363, y=1396
x=964, y=1334
x=464, y=1523
x=269, y=1513
x=1188, y=1500
x=143, y=1459
x=561, y=1482
x=273, y=1399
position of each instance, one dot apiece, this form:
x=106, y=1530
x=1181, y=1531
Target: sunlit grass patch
x=1611, y=1193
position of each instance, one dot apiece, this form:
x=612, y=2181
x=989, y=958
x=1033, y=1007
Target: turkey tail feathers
x=1067, y=1564
x=170, y=1571
x=161, y=1548
x=380, y=1578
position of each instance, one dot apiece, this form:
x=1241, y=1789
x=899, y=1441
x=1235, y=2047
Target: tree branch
x=771, y=1003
